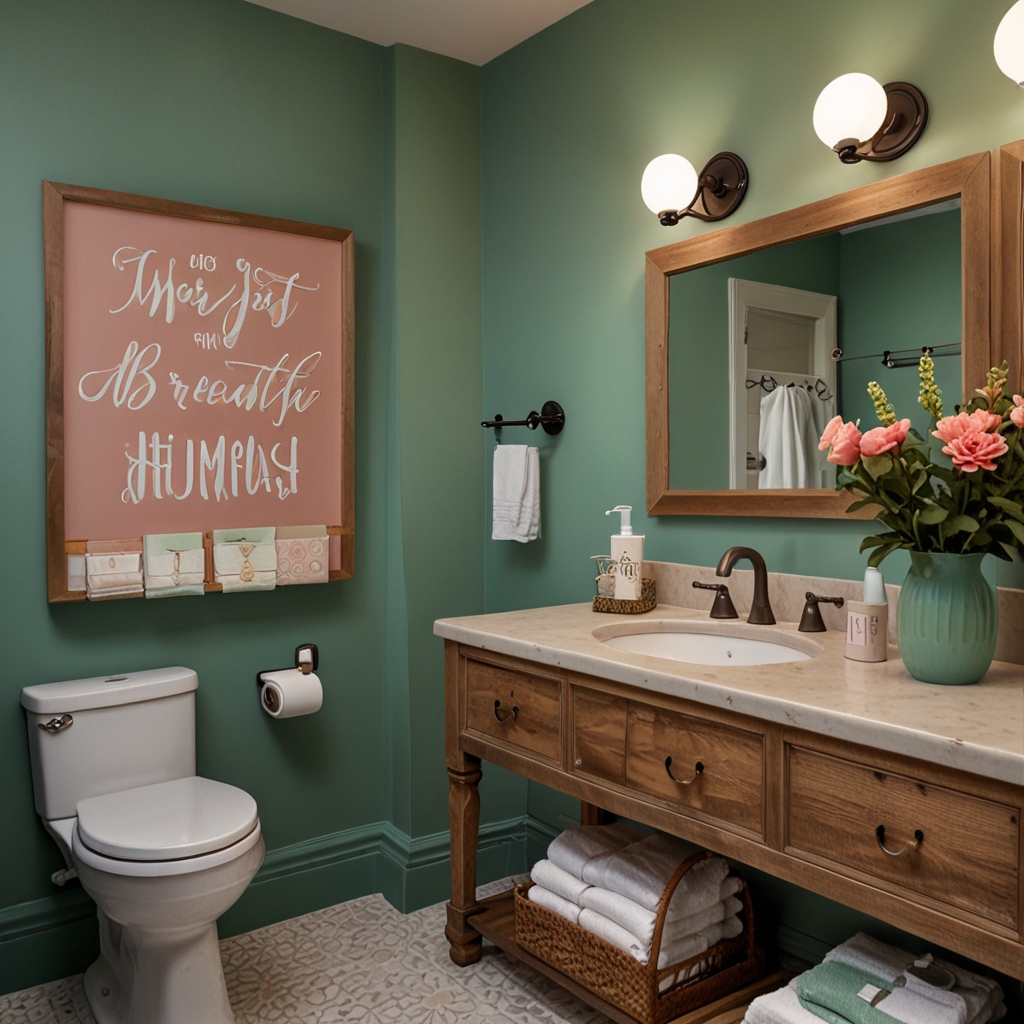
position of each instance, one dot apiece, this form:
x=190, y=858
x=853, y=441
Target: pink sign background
x=202, y=375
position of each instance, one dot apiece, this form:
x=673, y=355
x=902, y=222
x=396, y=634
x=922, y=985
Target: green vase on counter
x=948, y=619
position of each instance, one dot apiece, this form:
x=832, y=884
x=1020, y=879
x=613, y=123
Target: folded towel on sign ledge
x=113, y=568
x=516, y=493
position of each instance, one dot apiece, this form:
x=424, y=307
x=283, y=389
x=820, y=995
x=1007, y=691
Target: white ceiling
x=471, y=30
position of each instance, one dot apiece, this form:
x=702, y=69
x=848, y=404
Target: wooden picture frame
x=55, y=197
x=968, y=178
x=1008, y=259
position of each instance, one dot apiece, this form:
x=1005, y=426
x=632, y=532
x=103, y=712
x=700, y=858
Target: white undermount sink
x=704, y=643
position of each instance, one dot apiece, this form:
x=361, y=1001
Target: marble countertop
x=978, y=729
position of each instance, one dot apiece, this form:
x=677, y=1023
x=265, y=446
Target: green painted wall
x=224, y=103
x=899, y=288
x=699, y=349
x=571, y=118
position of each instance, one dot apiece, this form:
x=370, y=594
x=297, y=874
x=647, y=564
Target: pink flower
x=884, y=439
x=845, y=445
x=829, y=433
x=1017, y=413
x=986, y=421
x=975, y=450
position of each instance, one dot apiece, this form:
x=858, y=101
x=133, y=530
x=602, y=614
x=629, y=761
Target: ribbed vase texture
x=948, y=619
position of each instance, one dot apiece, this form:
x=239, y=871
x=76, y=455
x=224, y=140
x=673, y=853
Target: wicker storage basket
x=622, y=980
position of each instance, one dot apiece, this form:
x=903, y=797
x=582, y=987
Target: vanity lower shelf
x=496, y=923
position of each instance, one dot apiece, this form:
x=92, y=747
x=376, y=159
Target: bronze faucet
x=760, y=607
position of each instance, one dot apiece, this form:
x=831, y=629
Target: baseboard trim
x=380, y=838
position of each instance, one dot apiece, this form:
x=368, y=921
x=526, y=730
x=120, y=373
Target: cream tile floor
x=361, y=961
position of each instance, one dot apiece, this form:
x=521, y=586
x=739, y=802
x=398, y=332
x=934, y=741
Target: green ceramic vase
x=948, y=619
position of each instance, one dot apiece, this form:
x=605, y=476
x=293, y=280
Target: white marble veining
x=978, y=728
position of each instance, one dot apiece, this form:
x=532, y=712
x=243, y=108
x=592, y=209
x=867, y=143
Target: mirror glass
x=765, y=348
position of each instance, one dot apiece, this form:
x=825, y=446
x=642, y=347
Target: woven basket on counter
x=620, y=979
x=647, y=603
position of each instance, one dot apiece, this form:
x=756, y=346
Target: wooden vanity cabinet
x=930, y=849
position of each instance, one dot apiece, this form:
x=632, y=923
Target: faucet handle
x=811, y=620
x=722, y=607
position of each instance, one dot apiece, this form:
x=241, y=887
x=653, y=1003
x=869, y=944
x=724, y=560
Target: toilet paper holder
x=307, y=659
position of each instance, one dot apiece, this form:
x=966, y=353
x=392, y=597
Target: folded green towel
x=829, y=991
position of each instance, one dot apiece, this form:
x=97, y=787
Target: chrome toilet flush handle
x=880, y=836
x=57, y=724
x=504, y=716
x=698, y=771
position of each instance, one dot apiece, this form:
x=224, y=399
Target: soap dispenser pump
x=628, y=555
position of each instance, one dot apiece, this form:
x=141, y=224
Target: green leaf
x=863, y=503
x=1013, y=507
x=876, y=465
x=873, y=542
x=933, y=514
x=880, y=553
x=1010, y=550
x=1017, y=529
x=959, y=524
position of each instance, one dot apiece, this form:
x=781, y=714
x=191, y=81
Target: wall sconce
x=862, y=120
x=1009, y=43
x=671, y=188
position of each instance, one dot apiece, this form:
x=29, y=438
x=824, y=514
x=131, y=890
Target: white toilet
x=162, y=851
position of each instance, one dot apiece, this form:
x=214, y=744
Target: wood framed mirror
x=705, y=297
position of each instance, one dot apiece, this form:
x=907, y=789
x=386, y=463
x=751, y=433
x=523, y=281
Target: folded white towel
x=643, y=870
x=690, y=945
x=684, y=916
x=576, y=846
x=555, y=903
x=516, y=493
x=982, y=997
x=780, y=1007
x=557, y=880
x=613, y=933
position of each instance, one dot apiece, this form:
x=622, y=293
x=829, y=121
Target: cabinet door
x=697, y=764
x=524, y=711
x=955, y=848
x=599, y=735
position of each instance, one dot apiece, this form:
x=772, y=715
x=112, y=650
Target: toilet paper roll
x=288, y=693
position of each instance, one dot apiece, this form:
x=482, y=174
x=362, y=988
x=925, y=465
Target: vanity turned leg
x=464, y=822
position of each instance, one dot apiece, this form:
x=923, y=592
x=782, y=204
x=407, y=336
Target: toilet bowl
x=162, y=860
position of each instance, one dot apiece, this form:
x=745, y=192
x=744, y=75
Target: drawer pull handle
x=698, y=770
x=880, y=836
x=504, y=716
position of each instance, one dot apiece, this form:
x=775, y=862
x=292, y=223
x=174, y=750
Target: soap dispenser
x=867, y=627
x=628, y=555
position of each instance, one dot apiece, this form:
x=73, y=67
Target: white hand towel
x=549, y=875
x=613, y=933
x=640, y=921
x=780, y=1007
x=787, y=439
x=643, y=870
x=516, y=493
x=576, y=846
x=920, y=1003
x=690, y=945
x=553, y=902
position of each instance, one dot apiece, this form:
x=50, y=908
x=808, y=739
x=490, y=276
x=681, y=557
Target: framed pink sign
x=200, y=384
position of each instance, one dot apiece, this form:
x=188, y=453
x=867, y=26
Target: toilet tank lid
x=107, y=691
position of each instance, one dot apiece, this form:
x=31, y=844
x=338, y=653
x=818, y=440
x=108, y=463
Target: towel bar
x=551, y=418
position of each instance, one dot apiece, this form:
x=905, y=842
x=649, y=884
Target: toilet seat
x=177, y=820
x=161, y=868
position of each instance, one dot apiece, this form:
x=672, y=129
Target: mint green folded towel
x=829, y=991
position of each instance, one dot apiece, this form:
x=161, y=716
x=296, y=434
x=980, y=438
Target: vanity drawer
x=952, y=847
x=521, y=710
x=599, y=735
x=699, y=764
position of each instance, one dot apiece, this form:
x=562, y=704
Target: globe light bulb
x=1009, y=43
x=669, y=183
x=853, y=107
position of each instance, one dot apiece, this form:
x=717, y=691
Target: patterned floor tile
x=361, y=962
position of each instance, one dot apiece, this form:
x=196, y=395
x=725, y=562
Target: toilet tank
x=108, y=734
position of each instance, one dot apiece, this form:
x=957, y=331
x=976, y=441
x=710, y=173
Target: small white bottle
x=867, y=625
x=628, y=554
